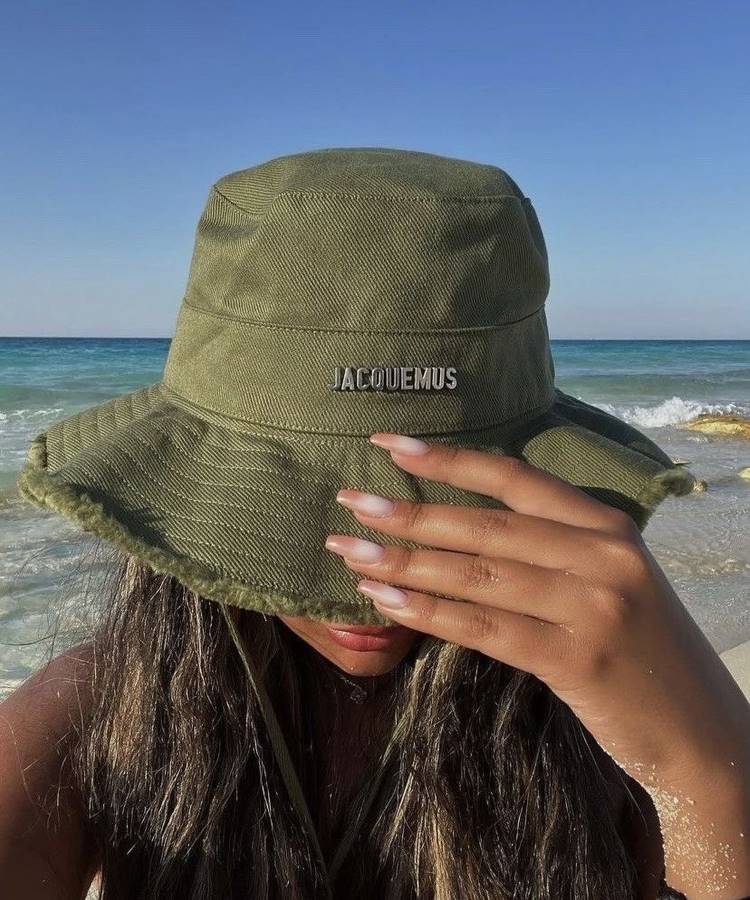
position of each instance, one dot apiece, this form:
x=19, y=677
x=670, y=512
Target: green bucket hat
x=332, y=294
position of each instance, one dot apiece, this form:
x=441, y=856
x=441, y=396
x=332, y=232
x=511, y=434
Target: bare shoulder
x=44, y=849
x=62, y=683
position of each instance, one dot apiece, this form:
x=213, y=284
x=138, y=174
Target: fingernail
x=369, y=504
x=384, y=594
x=355, y=548
x=399, y=443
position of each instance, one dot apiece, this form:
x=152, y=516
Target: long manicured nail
x=369, y=504
x=384, y=594
x=399, y=443
x=355, y=548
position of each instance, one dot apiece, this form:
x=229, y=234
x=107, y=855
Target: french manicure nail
x=399, y=443
x=385, y=594
x=355, y=548
x=369, y=504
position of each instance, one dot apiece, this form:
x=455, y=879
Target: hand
x=561, y=586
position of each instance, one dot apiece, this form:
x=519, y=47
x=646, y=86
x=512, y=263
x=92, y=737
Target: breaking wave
x=672, y=412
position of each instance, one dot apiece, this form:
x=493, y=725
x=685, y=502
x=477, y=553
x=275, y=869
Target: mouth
x=363, y=629
x=365, y=638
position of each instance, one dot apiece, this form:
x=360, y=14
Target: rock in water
x=745, y=473
x=736, y=426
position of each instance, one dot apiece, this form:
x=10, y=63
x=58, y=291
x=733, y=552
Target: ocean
x=701, y=541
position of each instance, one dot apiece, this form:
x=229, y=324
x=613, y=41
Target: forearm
x=705, y=825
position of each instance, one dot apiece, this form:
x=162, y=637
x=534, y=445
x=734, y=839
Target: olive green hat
x=332, y=294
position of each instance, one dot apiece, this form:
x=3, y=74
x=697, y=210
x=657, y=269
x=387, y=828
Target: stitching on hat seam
x=192, y=570
x=160, y=393
x=194, y=501
x=438, y=198
x=196, y=541
x=670, y=489
x=279, y=494
x=198, y=436
x=151, y=477
x=323, y=441
x=176, y=515
x=284, y=426
x=245, y=212
x=220, y=467
x=274, y=326
x=255, y=469
x=349, y=195
x=335, y=441
x=318, y=483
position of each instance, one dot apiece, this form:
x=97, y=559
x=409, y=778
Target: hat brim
x=242, y=518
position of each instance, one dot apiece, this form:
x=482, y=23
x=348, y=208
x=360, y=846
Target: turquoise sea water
x=701, y=541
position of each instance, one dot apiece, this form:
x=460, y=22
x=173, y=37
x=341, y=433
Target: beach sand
x=737, y=660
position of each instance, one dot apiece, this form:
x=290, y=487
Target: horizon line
x=135, y=337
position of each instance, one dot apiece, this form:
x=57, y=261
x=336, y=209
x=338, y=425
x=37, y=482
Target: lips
x=365, y=638
x=365, y=629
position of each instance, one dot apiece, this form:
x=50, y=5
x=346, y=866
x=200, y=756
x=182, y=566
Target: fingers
x=520, y=486
x=489, y=532
x=545, y=594
x=523, y=642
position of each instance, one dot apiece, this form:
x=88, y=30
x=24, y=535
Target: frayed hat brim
x=241, y=517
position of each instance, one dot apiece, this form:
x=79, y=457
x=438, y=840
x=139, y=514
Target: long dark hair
x=496, y=791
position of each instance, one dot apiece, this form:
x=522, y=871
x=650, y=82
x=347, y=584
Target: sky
x=628, y=126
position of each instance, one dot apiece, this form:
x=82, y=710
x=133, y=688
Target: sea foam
x=671, y=412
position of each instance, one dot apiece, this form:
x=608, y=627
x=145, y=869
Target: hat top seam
x=366, y=195
x=378, y=195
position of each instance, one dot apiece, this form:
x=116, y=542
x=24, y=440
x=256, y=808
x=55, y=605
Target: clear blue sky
x=627, y=124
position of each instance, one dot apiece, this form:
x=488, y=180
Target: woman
x=536, y=716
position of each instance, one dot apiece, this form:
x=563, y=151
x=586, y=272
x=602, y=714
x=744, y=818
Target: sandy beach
x=737, y=660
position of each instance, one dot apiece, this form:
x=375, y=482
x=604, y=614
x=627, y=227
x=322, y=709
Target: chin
x=356, y=649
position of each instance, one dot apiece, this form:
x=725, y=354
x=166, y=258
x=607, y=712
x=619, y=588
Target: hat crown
x=369, y=238
x=364, y=170
x=350, y=290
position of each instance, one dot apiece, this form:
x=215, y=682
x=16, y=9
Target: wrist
x=705, y=826
x=700, y=774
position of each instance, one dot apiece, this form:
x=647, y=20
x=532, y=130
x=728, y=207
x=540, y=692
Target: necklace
x=366, y=687
x=358, y=693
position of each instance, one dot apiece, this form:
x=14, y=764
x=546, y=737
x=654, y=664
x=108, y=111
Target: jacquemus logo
x=394, y=378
